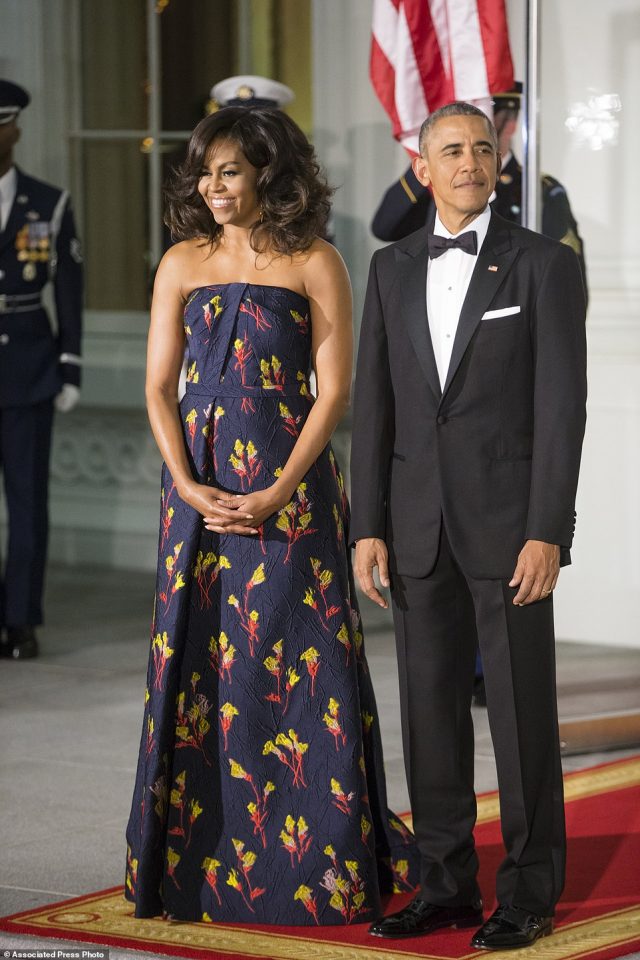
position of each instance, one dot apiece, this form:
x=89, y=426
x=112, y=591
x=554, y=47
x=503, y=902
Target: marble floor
x=71, y=725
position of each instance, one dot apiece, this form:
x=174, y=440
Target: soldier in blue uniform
x=39, y=368
x=406, y=205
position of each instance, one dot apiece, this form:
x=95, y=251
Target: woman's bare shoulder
x=323, y=263
x=185, y=253
x=181, y=262
x=322, y=249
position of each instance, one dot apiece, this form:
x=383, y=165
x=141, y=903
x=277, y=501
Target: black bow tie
x=465, y=241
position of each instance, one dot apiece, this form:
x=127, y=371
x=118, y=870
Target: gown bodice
x=247, y=339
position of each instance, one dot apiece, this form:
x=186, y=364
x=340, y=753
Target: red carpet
x=598, y=916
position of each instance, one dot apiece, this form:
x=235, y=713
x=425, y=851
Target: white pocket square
x=503, y=312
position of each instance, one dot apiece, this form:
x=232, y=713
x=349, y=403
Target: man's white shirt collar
x=480, y=225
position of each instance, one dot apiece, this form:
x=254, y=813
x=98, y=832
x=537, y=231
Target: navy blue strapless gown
x=260, y=792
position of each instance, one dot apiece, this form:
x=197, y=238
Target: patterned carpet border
x=106, y=918
x=619, y=931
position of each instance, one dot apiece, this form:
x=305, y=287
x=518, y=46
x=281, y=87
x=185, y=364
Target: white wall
x=589, y=48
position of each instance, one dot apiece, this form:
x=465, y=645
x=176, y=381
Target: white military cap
x=251, y=91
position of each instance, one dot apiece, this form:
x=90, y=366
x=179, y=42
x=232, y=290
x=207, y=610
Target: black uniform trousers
x=25, y=443
x=438, y=621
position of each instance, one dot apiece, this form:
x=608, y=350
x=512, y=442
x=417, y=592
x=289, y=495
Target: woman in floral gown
x=260, y=791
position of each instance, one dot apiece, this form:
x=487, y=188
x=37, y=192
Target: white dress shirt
x=8, y=187
x=448, y=279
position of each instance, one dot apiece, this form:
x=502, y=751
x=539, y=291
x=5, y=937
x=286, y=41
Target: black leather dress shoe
x=20, y=643
x=511, y=927
x=420, y=917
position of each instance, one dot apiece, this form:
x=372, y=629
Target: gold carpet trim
x=112, y=916
x=583, y=783
x=586, y=783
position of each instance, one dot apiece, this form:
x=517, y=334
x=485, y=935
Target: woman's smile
x=219, y=203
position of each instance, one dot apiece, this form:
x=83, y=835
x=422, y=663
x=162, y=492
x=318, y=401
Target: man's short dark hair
x=459, y=108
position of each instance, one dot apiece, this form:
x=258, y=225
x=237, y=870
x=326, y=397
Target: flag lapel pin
x=493, y=268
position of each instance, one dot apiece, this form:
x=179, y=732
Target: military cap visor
x=13, y=99
x=509, y=100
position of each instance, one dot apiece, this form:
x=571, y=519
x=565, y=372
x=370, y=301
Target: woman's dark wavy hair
x=293, y=194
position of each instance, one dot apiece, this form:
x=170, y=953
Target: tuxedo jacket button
x=441, y=420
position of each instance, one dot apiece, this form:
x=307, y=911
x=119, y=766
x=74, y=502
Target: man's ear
x=420, y=168
x=498, y=165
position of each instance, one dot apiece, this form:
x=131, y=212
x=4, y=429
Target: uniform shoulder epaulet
x=571, y=239
x=407, y=189
x=551, y=186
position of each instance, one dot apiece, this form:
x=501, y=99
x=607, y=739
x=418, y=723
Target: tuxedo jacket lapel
x=413, y=279
x=497, y=251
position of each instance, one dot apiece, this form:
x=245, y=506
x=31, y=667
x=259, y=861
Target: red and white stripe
x=425, y=53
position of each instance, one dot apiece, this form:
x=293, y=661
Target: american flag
x=425, y=53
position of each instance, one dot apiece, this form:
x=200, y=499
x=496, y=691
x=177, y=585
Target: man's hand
x=371, y=553
x=536, y=572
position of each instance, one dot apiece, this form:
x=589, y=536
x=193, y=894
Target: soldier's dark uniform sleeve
x=67, y=275
x=404, y=208
x=559, y=222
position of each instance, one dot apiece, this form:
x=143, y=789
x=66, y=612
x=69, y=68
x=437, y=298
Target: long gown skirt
x=260, y=792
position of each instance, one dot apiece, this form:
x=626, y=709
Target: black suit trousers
x=438, y=620
x=25, y=444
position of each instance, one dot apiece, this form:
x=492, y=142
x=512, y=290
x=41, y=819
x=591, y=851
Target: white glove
x=67, y=398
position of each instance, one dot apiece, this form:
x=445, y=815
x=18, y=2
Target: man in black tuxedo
x=469, y=414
